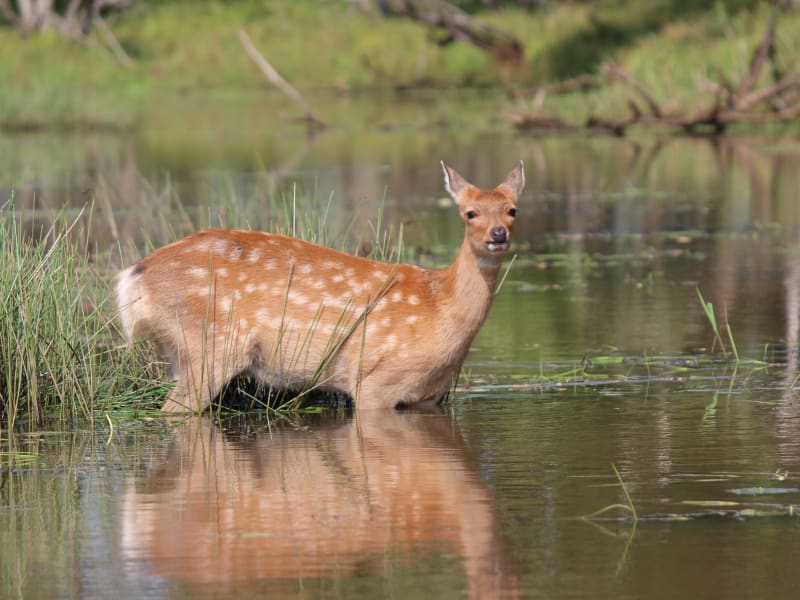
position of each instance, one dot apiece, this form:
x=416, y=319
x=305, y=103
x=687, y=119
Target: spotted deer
x=297, y=315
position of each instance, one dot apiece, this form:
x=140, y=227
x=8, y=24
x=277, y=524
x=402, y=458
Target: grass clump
x=53, y=338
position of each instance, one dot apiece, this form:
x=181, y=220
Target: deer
x=300, y=316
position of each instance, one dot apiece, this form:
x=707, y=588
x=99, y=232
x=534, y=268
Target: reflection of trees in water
x=335, y=499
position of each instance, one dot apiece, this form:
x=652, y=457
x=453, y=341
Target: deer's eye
x=471, y=214
x=512, y=212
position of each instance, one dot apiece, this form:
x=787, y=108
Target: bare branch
x=113, y=43
x=763, y=51
x=755, y=98
x=275, y=78
x=616, y=73
x=459, y=25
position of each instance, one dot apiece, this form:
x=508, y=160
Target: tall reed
x=52, y=336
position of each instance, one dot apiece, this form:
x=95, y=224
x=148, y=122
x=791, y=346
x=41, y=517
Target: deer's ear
x=454, y=183
x=515, y=180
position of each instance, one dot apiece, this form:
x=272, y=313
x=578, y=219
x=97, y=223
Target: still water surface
x=597, y=355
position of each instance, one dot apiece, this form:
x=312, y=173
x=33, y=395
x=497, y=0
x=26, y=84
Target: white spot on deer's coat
x=337, y=278
x=262, y=287
x=236, y=253
x=305, y=269
x=411, y=319
x=254, y=256
x=386, y=321
x=237, y=295
x=391, y=342
x=298, y=299
x=243, y=323
x=199, y=272
x=379, y=275
x=262, y=316
x=221, y=272
x=397, y=296
x=225, y=303
x=220, y=246
x=412, y=299
x=250, y=288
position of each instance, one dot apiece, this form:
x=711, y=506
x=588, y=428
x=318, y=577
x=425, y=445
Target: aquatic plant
x=708, y=309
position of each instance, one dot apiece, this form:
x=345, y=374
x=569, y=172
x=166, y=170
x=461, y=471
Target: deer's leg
x=200, y=377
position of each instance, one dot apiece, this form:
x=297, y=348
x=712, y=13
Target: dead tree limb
x=731, y=102
x=458, y=25
x=275, y=78
x=113, y=43
x=764, y=50
x=616, y=73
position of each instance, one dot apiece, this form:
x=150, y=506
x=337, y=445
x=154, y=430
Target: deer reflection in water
x=314, y=502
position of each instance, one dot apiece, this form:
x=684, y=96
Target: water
x=597, y=355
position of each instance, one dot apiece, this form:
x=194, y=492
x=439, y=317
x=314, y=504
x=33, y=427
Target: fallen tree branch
x=275, y=78
x=764, y=50
x=616, y=73
x=112, y=42
x=457, y=24
x=731, y=102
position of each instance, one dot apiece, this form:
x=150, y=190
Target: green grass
x=182, y=49
x=49, y=339
x=60, y=353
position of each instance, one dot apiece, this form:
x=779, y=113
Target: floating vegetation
x=691, y=372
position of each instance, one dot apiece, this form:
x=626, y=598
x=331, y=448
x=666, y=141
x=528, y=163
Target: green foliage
x=181, y=48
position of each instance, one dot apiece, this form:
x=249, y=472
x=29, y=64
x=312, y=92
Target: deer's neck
x=469, y=287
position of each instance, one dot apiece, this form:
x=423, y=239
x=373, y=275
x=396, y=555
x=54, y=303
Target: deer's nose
x=499, y=234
